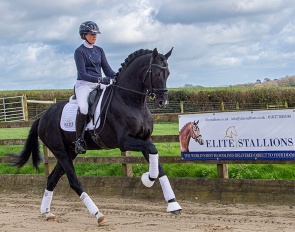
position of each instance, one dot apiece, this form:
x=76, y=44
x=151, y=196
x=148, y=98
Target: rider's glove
x=102, y=86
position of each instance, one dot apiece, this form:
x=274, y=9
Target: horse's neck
x=131, y=87
x=188, y=133
x=186, y=136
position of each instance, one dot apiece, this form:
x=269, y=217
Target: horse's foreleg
x=148, y=178
x=154, y=166
x=150, y=153
x=173, y=206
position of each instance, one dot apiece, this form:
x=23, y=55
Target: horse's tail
x=31, y=147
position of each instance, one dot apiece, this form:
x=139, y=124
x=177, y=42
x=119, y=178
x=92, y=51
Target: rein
x=108, y=102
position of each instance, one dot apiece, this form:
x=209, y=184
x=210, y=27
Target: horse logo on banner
x=188, y=131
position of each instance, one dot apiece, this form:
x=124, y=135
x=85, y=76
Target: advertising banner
x=257, y=135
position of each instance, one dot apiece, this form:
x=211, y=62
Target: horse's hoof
x=176, y=212
x=146, y=180
x=49, y=216
x=174, y=208
x=101, y=219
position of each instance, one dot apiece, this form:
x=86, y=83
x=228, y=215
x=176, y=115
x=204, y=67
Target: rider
x=89, y=59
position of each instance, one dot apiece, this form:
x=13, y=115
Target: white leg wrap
x=46, y=201
x=166, y=188
x=154, y=168
x=173, y=206
x=92, y=208
x=146, y=180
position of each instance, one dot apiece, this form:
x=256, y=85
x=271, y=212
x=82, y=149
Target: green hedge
x=275, y=95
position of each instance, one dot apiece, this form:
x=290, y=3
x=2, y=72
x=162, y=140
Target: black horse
x=126, y=123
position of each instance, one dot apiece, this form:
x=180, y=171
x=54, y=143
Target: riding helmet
x=88, y=27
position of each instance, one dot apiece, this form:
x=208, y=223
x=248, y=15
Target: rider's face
x=91, y=38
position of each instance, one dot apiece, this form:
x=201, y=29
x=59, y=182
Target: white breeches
x=82, y=90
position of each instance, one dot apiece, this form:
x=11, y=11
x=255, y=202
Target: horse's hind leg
x=68, y=167
x=52, y=181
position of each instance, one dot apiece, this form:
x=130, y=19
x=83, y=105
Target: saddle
x=93, y=100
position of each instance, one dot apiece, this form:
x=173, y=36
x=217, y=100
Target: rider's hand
x=99, y=80
x=102, y=86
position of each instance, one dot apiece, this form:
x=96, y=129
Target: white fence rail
x=12, y=109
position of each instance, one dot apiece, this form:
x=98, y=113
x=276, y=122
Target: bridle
x=153, y=91
x=194, y=132
x=148, y=76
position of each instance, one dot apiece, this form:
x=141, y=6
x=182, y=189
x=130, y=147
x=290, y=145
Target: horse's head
x=145, y=73
x=196, y=134
x=156, y=77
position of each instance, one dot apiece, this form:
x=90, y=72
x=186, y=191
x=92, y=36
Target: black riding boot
x=80, y=144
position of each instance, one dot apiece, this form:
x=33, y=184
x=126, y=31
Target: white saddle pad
x=69, y=113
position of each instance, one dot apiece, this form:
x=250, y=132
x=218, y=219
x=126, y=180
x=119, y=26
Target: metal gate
x=12, y=109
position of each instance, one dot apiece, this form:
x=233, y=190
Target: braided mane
x=132, y=57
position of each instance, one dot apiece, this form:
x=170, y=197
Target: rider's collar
x=87, y=45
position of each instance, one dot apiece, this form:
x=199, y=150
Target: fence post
x=237, y=106
x=286, y=104
x=126, y=168
x=181, y=106
x=222, y=106
x=48, y=167
x=222, y=171
x=26, y=107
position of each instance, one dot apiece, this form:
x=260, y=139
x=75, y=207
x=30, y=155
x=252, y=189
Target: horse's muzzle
x=161, y=100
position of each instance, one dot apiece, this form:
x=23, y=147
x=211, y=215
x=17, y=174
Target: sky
x=216, y=42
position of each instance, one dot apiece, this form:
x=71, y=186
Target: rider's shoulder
x=80, y=48
x=98, y=48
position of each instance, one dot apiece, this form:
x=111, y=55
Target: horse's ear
x=168, y=54
x=155, y=53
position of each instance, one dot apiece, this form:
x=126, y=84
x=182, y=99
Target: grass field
x=241, y=171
